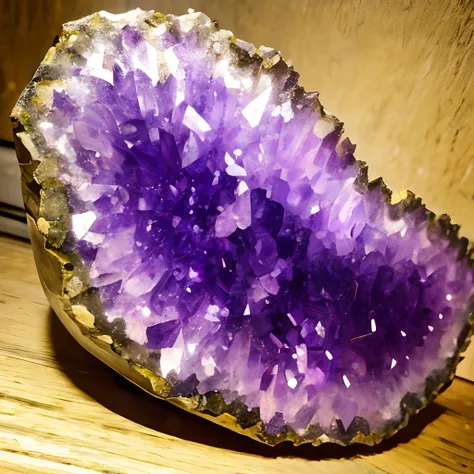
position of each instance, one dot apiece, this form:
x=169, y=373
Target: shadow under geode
x=122, y=397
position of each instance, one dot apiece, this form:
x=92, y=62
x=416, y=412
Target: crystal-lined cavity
x=221, y=218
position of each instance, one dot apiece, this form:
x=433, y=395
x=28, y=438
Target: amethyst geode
x=214, y=239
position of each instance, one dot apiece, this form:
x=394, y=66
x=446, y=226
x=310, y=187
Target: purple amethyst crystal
x=215, y=230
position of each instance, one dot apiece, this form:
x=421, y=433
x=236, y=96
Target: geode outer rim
x=54, y=276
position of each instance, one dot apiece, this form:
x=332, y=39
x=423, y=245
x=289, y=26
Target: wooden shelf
x=61, y=410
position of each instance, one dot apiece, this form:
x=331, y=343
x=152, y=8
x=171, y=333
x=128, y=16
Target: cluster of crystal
x=223, y=219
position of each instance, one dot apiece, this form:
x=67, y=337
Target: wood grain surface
x=400, y=73
x=61, y=410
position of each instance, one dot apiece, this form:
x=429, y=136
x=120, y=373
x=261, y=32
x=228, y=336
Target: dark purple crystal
x=222, y=217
